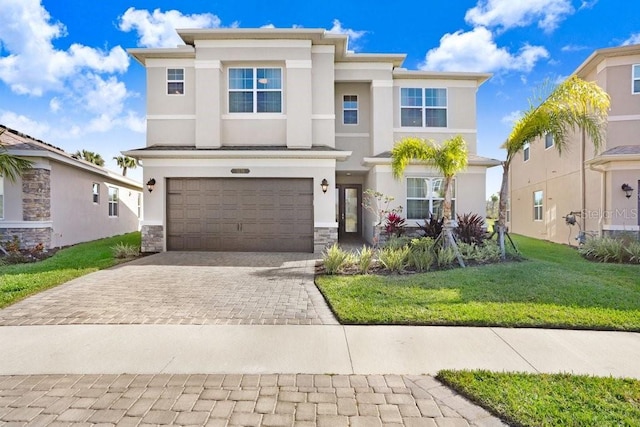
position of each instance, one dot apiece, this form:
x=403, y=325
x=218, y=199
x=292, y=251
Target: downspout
x=603, y=195
x=583, y=196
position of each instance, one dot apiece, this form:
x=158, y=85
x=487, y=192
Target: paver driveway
x=185, y=288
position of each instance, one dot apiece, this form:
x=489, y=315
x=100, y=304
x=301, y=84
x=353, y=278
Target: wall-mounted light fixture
x=150, y=184
x=325, y=185
x=628, y=190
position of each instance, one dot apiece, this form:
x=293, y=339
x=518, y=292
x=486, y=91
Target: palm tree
x=90, y=157
x=449, y=158
x=572, y=105
x=125, y=163
x=11, y=167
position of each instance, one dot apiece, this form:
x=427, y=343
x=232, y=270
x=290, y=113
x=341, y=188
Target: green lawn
x=551, y=400
x=555, y=287
x=21, y=280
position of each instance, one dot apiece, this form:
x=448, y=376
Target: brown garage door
x=241, y=214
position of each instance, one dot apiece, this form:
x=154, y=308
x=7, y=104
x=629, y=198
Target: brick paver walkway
x=215, y=288
x=230, y=400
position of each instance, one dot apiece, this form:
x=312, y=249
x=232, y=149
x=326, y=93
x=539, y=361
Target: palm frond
x=409, y=149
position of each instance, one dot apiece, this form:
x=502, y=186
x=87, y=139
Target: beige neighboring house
x=545, y=187
x=266, y=139
x=63, y=200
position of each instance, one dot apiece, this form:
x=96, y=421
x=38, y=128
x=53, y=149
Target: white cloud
x=55, y=105
x=573, y=48
x=24, y=124
x=477, y=51
x=268, y=26
x=634, y=39
x=158, y=29
x=354, y=36
x=586, y=4
x=512, y=117
x=508, y=14
x=135, y=122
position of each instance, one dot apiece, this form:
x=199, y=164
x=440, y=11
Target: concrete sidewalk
x=191, y=349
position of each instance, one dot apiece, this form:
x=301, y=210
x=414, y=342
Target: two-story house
x=602, y=186
x=266, y=139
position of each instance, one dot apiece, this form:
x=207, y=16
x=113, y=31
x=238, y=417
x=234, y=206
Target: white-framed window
x=350, y=109
x=113, y=201
x=175, y=81
x=635, y=79
x=255, y=90
x=425, y=196
x=548, y=141
x=423, y=107
x=95, y=189
x=526, y=151
x=538, y=205
x=139, y=205
x=1, y=197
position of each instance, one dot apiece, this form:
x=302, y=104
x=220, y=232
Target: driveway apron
x=196, y=288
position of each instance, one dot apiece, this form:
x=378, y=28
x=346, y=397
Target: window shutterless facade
x=175, y=81
x=423, y=107
x=113, y=202
x=548, y=141
x=255, y=90
x=96, y=192
x=350, y=109
x=526, y=151
x=538, y=205
x=425, y=196
x=635, y=79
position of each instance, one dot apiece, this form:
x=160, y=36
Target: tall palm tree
x=573, y=105
x=11, y=167
x=449, y=158
x=90, y=157
x=125, y=163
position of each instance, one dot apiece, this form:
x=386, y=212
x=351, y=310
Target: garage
x=240, y=214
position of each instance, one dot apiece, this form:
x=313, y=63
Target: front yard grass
x=21, y=280
x=551, y=400
x=554, y=288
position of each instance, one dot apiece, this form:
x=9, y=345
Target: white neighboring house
x=266, y=139
x=63, y=200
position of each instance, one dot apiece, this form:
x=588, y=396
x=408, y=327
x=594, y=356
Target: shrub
x=423, y=243
x=487, y=253
x=397, y=242
x=604, y=249
x=364, y=259
x=13, y=245
x=633, y=249
x=445, y=257
x=122, y=250
x=394, y=260
x=335, y=259
x=470, y=229
x=394, y=225
x=432, y=227
x=421, y=259
x=468, y=251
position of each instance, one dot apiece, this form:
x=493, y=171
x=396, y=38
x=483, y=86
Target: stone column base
x=152, y=238
x=324, y=237
x=29, y=237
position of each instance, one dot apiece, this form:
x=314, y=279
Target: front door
x=348, y=209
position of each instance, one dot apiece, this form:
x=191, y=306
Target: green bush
x=394, y=259
x=335, y=259
x=423, y=243
x=604, y=249
x=633, y=249
x=395, y=242
x=122, y=250
x=364, y=259
x=470, y=229
x=445, y=257
x=421, y=259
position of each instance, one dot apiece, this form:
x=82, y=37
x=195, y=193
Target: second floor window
x=548, y=141
x=255, y=90
x=113, y=202
x=350, y=109
x=175, y=81
x=423, y=107
x=96, y=192
x=636, y=78
x=526, y=151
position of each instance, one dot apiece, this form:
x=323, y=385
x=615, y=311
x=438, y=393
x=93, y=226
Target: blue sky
x=65, y=76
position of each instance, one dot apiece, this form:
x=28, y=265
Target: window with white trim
x=139, y=205
x=113, y=202
x=425, y=196
x=350, y=109
x=1, y=197
x=255, y=90
x=175, y=81
x=636, y=78
x=96, y=192
x=526, y=151
x=548, y=141
x=423, y=107
x=537, y=205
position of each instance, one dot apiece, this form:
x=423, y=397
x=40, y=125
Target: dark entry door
x=349, y=210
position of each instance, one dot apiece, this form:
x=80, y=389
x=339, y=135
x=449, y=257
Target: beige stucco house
x=63, y=200
x=601, y=186
x=266, y=139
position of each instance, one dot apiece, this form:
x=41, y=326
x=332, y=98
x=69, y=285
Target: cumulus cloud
x=354, y=36
x=24, y=124
x=477, y=51
x=512, y=117
x=633, y=39
x=158, y=29
x=508, y=14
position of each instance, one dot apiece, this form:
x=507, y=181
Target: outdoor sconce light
x=628, y=190
x=325, y=185
x=150, y=184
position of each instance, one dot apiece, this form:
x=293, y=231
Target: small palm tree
x=11, y=167
x=90, y=157
x=125, y=162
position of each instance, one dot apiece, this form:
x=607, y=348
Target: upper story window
x=548, y=141
x=636, y=78
x=96, y=192
x=1, y=197
x=175, y=81
x=537, y=205
x=350, y=109
x=113, y=202
x=425, y=196
x=526, y=151
x=255, y=90
x=423, y=107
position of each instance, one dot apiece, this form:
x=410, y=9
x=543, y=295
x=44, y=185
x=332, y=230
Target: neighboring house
x=63, y=200
x=545, y=187
x=266, y=139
